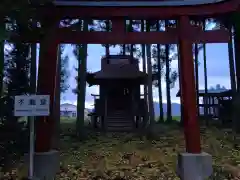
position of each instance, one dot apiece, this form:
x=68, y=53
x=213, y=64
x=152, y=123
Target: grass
x=127, y=156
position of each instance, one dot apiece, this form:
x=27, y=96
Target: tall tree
x=33, y=68
x=196, y=50
x=61, y=86
x=150, y=95
x=159, y=64
x=157, y=53
x=168, y=54
x=131, y=30
x=130, y=49
x=231, y=61
x=2, y=29
x=180, y=86
x=159, y=73
x=236, y=30
x=80, y=52
x=205, y=75
x=17, y=80
x=104, y=25
x=168, y=82
x=64, y=72
x=143, y=49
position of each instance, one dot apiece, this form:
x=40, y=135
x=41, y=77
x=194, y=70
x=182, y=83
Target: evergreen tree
x=64, y=72
x=17, y=82
x=80, y=52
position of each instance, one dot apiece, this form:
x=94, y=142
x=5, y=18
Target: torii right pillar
x=194, y=164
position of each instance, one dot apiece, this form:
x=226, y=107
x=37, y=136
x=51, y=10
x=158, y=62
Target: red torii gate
x=185, y=35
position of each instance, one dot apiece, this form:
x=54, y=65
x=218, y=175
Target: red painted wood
x=118, y=25
x=161, y=12
x=191, y=126
x=117, y=0
x=46, y=86
x=171, y=37
x=216, y=36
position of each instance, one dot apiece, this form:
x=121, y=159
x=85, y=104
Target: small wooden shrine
x=119, y=106
x=218, y=103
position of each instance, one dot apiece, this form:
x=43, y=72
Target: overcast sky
x=217, y=69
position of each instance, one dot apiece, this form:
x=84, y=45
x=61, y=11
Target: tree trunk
x=33, y=69
x=33, y=74
x=159, y=67
x=180, y=88
x=144, y=63
x=56, y=133
x=237, y=58
x=107, y=48
x=196, y=75
x=150, y=95
x=236, y=96
x=82, y=63
x=131, y=46
x=205, y=98
x=231, y=62
x=124, y=47
x=2, y=59
x=168, y=82
x=161, y=118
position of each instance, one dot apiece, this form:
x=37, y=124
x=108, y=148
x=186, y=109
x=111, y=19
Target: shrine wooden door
x=120, y=98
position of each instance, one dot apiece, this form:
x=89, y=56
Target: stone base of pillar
x=194, y=166
x=46, y=165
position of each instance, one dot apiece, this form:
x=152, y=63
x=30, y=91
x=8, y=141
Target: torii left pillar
x=194, y=164
x=46, y=159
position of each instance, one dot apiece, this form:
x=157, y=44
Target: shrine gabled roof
x=125, y=72
x=213, y=92
x=134, y=3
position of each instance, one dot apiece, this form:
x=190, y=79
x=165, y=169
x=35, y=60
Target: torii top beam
x=134, y=3
x=139, y=9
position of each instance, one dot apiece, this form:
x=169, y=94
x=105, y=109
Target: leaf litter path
x=126, y=156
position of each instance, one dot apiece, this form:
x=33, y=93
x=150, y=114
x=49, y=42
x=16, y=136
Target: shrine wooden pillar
x=46, y=85
x=188, y=93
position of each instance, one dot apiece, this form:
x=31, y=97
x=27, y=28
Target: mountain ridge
x=176, y=109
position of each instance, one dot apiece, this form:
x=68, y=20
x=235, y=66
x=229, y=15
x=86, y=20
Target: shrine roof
x=212, y=92
x=125, y=72
x=134, y=3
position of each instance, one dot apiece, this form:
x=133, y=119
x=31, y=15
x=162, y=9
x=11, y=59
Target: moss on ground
x=127, y=156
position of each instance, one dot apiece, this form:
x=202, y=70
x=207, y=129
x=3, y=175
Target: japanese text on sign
x=33, y=105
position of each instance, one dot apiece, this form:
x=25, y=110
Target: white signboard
x=32, y=105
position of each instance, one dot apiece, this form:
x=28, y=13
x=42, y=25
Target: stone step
x=119, y=113
x=119, y=122
x=120, y=129
x=119, y=119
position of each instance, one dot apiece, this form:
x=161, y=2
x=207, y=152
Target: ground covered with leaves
x=120, y=156
x=127, y=156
